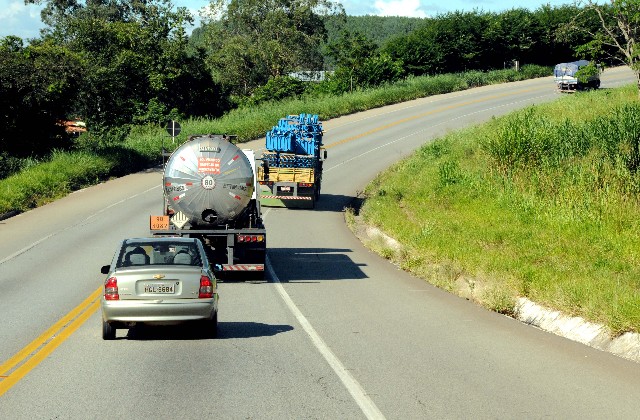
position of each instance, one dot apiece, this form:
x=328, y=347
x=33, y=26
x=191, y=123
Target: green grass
x=44, y=182
x=545, y=205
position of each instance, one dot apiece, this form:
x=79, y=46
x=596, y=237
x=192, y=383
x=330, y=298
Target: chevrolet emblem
x=158, y=276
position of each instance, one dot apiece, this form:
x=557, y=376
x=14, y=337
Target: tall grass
x=544, y=205
x=39, y=184
x=530, y=139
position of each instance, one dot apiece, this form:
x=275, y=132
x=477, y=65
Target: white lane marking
x=367, y=406
x=41, y=240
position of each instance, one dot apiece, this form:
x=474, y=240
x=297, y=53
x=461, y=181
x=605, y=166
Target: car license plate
x=159, y=288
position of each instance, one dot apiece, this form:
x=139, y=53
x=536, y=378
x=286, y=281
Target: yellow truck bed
x=287, y=174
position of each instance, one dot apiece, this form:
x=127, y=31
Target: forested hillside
x=378, y=29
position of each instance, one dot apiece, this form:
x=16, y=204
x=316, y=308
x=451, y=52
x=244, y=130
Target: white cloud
x=410, y=8
x=19, y=19
x=9, y=9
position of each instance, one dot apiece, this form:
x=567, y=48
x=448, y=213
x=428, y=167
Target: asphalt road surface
x=334, y=332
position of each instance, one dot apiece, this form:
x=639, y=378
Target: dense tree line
x=117, y=63
x=462, y=41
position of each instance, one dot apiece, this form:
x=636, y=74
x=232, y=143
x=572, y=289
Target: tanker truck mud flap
x=240, y=268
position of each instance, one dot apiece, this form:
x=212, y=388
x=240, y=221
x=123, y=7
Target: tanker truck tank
x=209, y=180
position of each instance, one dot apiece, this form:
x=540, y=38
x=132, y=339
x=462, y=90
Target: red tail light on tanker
x=111, y=289
x=250, y=238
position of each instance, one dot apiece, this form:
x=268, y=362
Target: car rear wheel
x=108, y=331
x=212, y=326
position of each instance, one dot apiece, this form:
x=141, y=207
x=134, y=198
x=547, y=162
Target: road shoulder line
x=365, y=403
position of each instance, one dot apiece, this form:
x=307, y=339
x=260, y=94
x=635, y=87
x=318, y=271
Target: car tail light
x=111, y=289
x=250, y=238
x=304, y=184
x=206, y=288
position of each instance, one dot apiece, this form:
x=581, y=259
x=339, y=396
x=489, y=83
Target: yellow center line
x=424, y=114
x=41, y=347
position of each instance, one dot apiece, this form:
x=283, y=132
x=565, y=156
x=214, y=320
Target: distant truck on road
x=291, y=171
x=568, y=76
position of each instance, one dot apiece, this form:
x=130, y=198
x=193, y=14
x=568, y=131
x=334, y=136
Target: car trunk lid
x=159, y=283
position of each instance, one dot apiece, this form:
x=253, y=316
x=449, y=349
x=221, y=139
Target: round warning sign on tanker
x=208, y=182
x=208, y=179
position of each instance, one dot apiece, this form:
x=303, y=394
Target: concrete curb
x=577, y=329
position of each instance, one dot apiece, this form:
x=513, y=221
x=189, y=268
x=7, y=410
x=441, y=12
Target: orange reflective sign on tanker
x=159, y=223
x=208, y=165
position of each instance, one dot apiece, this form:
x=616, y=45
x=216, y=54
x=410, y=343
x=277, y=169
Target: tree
x=351, y=49
x=251, y=41
x=420, y=50
x=139, y=65
x=551, y=49
x=359, y=63
x=518, y=34
x=618, y=35
x=448, y=43
x=380, y=69
x=39, y=85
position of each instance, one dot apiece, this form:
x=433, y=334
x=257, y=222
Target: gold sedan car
x=163, y=280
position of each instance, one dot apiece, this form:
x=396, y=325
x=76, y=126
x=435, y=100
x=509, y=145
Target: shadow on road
x=314, y=264
x=328, y=202
x=226, y=330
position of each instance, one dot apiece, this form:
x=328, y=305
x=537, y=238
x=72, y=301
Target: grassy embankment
x=543, y=203
x=94, y=160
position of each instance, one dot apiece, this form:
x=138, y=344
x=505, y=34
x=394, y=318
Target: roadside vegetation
x=543, y=204
x=123, y=70
x=92, y=160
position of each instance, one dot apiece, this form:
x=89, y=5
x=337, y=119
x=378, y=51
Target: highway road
x=334, y=332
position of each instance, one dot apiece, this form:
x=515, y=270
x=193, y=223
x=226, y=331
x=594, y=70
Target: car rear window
x=155, y=253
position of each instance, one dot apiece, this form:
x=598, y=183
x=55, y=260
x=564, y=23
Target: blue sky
x=24, y=21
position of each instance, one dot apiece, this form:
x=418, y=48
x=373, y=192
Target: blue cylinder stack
x=295, y=142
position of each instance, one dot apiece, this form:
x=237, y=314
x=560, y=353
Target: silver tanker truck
x=209, y=193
